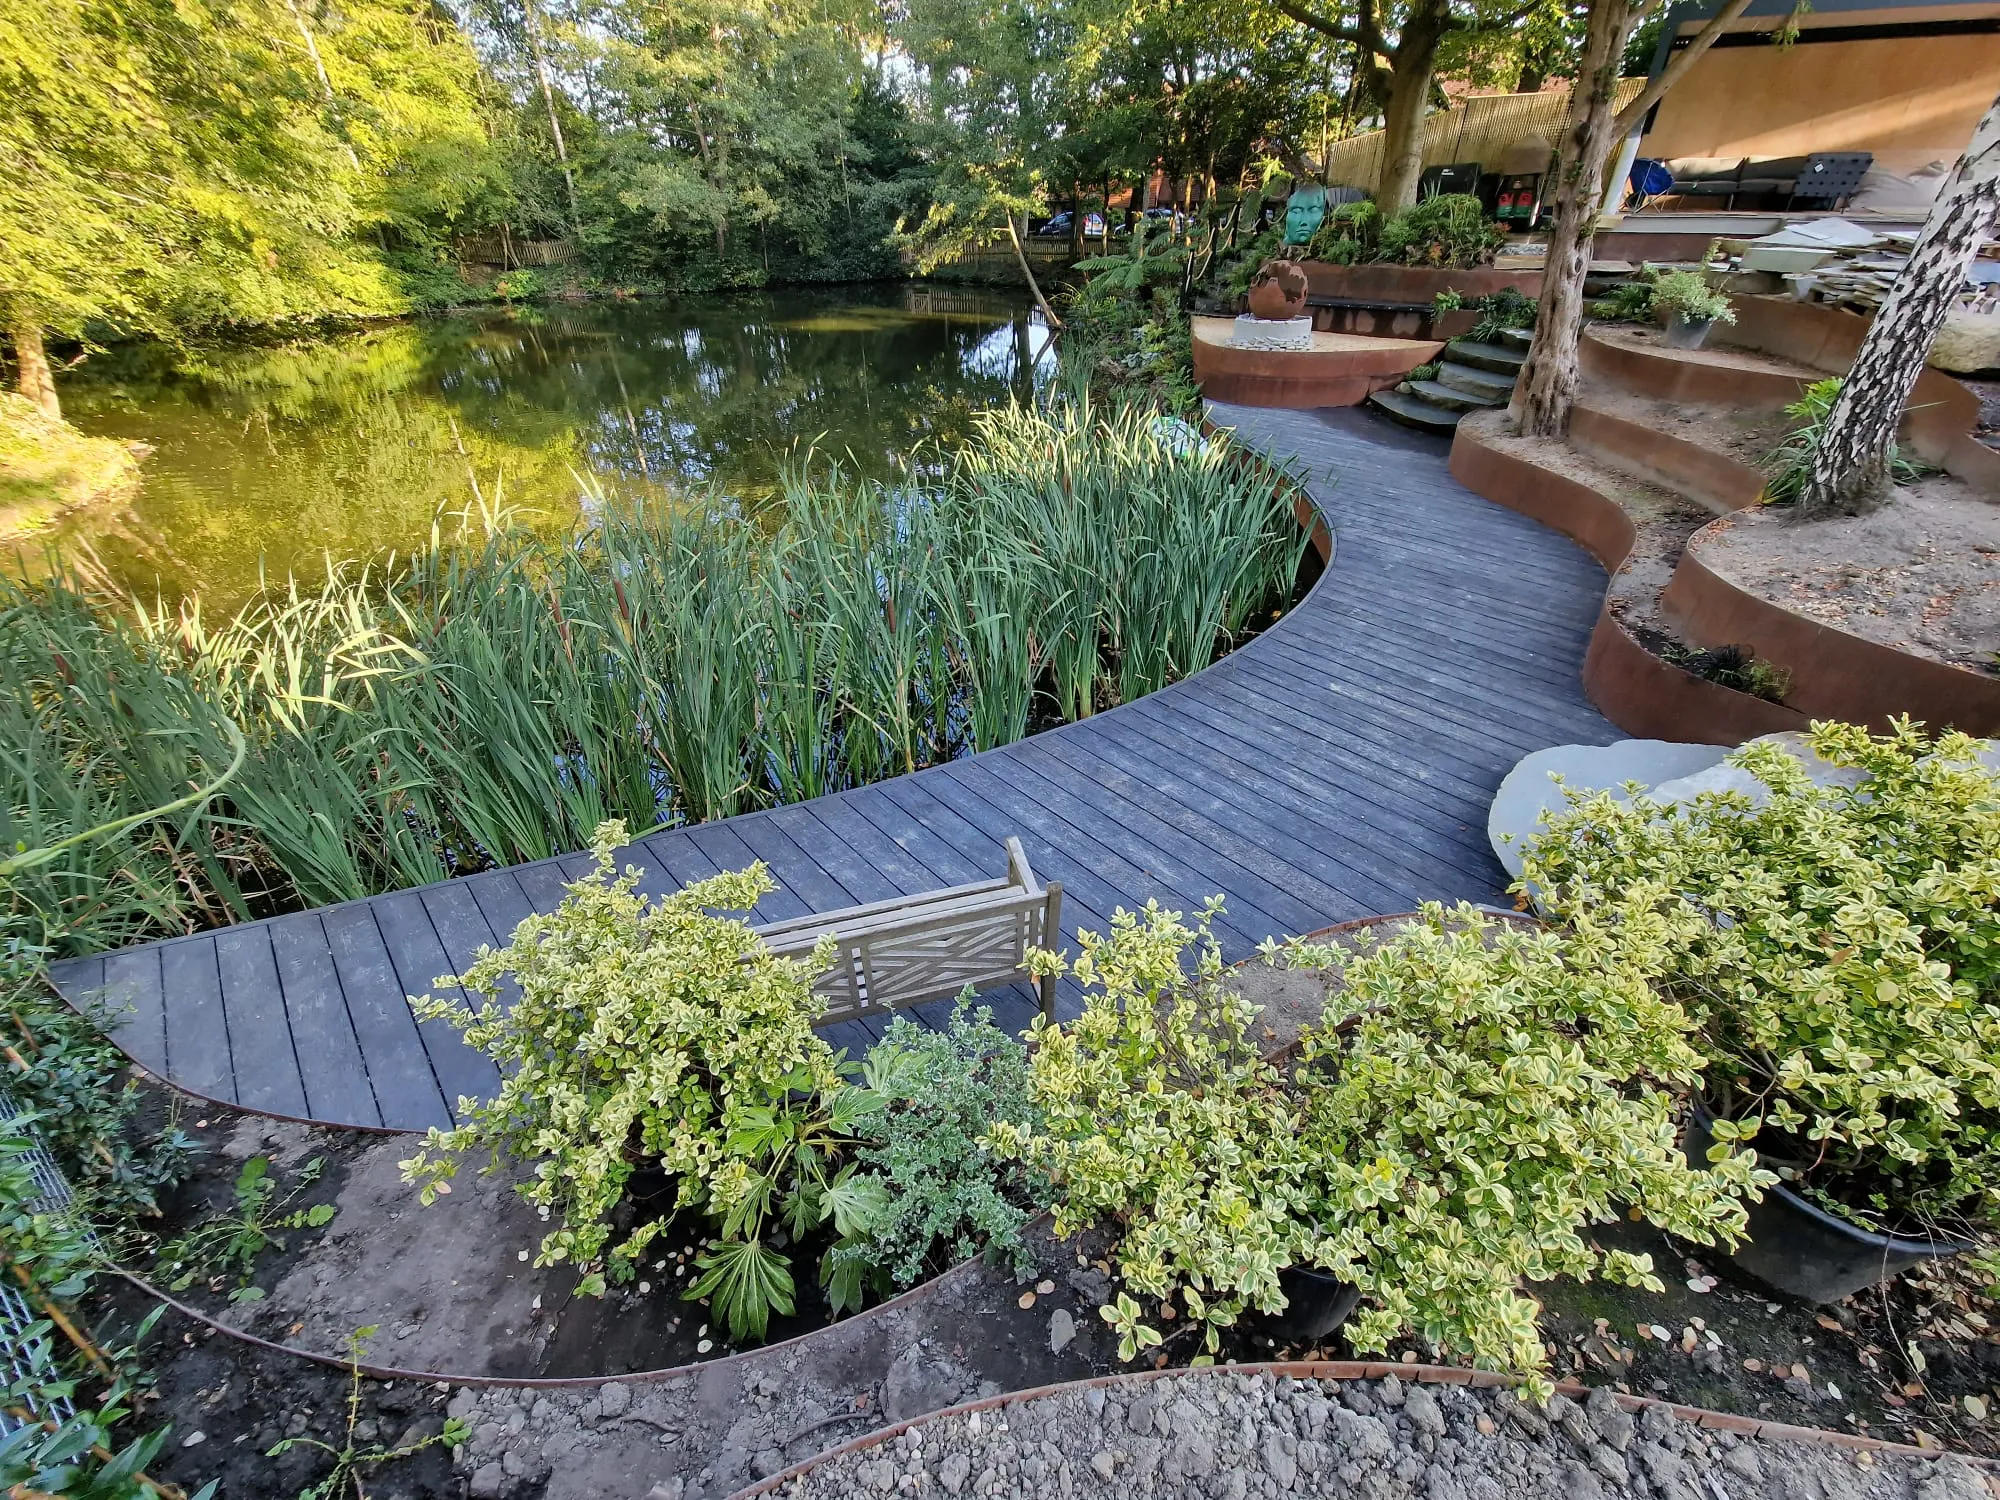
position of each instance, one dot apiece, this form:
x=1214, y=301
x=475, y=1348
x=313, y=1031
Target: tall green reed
x=492, y=699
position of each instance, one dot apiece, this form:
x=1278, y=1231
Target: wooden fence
x=1479, y=128
x=507, y=252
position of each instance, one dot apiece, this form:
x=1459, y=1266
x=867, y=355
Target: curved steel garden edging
x=1301, y=379
x=1710, y=479
x=1938, y=424
x=663, y=1376
x=1349, y=1369
x=1835, y=675
x=1643, y=695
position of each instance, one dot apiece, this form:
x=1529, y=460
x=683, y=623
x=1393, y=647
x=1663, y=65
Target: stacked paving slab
x=1471, y=377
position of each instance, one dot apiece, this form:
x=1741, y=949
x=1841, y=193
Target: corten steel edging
x=1709, y=478
x=1350, y=1369
x=1937, y=425
x=663, y=1376
x=1301, y=379
x=1835, y=675
x=1684, y=378
x=1409, y=286
x=1643, y=695
x=1942, y=411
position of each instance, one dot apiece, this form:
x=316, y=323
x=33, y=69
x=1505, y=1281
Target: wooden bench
x=898, y=953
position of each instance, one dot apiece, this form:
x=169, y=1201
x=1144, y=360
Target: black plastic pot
x=1315, y=1304
x=1798, y=1248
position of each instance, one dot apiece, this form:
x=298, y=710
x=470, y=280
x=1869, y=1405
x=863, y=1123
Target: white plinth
x=1272, y=333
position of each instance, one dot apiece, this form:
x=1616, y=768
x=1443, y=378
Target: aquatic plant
x=489, y=702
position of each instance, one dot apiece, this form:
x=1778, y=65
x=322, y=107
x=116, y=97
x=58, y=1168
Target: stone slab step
x=1494, y=357
x=1481, y=383
x=1451, y=398
x=1414, y=411
x=1517, y=339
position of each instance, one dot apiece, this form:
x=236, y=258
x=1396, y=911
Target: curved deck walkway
x=1338, y=766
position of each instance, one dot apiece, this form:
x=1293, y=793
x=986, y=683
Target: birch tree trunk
x=1851, y=470
x=1545, y=392
x=31, y=361
x=1028, y=273
x=555, y=123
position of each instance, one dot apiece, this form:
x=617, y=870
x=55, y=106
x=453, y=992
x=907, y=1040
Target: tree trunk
x=32, y=378
x=1403, y=132
x=555, y=123
x=1851, y=470
x=1028, y=272
x=1546, y=390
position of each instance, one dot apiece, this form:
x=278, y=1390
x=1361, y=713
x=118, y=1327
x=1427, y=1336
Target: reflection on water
x=352, y=446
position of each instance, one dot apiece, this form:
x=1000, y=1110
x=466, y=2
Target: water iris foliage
x=487, y=704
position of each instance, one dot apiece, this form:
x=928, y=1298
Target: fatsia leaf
x=745, y=1281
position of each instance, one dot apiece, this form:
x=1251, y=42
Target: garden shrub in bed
x=664, y=1039
x=1839, y=949
x=1472, y=1101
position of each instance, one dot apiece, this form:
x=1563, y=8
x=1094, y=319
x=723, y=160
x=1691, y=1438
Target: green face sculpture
x=1304, y=213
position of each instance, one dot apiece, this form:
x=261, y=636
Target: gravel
x=1226, y=1435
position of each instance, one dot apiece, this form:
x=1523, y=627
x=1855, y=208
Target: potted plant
x=1837, y=939
x=1691, y=307
x=1474, y=1097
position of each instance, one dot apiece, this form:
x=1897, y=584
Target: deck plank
x=266, y=1062
x=336, y=1079
x=399, y=1068
x=418, y=956
x=197, y=1026
x=1339, y=764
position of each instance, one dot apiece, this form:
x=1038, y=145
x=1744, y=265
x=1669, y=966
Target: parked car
x=1158, y=217
x=1056, y=227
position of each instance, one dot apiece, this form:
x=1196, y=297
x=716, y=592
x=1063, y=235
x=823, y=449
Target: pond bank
x=48, y=468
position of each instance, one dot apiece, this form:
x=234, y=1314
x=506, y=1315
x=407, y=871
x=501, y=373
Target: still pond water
x=349, y=447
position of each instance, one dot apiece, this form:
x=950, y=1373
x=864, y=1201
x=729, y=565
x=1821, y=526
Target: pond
x=269, y=460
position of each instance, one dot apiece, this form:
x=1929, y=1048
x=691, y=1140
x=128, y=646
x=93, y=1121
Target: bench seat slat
x=927, y=946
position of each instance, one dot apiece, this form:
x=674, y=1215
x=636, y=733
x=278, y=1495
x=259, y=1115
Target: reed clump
x=486, y=704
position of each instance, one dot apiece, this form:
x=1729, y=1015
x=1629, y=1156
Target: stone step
x=1517, y=339
x=1414, y=411
x=1482, y=383
x=1450, y=397
x=1494, y=357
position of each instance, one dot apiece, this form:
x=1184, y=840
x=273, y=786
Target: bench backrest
x=929, y=946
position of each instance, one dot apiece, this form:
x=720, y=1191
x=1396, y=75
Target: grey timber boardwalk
x=1337, y=766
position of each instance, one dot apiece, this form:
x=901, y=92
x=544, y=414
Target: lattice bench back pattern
x=929, y=946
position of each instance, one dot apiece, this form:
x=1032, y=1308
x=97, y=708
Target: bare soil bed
x=1716, y=352
x=1921, y=574
x=447, y=1289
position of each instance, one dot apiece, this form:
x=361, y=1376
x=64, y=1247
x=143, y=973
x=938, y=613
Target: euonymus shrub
x=660, y=1037
x=1158, y=1116
x=667, y=1038
x=1474, y=1099
x=1839, y=947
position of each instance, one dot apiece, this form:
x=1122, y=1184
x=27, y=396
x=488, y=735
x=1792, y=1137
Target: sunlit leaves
x=1837, y=945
